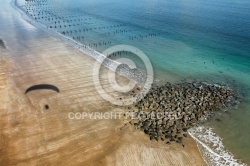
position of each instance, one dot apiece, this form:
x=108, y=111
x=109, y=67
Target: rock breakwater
x=166, y=112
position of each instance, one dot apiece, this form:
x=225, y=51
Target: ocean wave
x=211, y=147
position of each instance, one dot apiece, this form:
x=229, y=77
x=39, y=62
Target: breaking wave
x=211, y=147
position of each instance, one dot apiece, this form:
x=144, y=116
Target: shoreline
x=92, y=57
x=66, y=41
x=90, y=52
x=33, y=135
x=99, y=57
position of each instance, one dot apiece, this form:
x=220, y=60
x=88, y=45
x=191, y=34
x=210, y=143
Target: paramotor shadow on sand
x=43, y=87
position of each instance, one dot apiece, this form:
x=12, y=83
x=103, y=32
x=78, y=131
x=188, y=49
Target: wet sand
x=32, y=135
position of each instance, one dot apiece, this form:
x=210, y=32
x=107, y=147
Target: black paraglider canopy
x=42, y=86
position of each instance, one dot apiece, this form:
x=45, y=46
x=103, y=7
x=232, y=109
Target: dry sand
x=32, y=135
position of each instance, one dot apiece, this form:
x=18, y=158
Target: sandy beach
x=32, y=135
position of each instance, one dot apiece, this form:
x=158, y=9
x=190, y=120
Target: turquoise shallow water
x=202, y=40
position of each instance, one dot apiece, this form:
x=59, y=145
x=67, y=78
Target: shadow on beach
x=2, y=44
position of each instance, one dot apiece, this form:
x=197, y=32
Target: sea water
x=205, y=40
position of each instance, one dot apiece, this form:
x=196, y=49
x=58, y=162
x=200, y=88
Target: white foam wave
x=212, y=148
